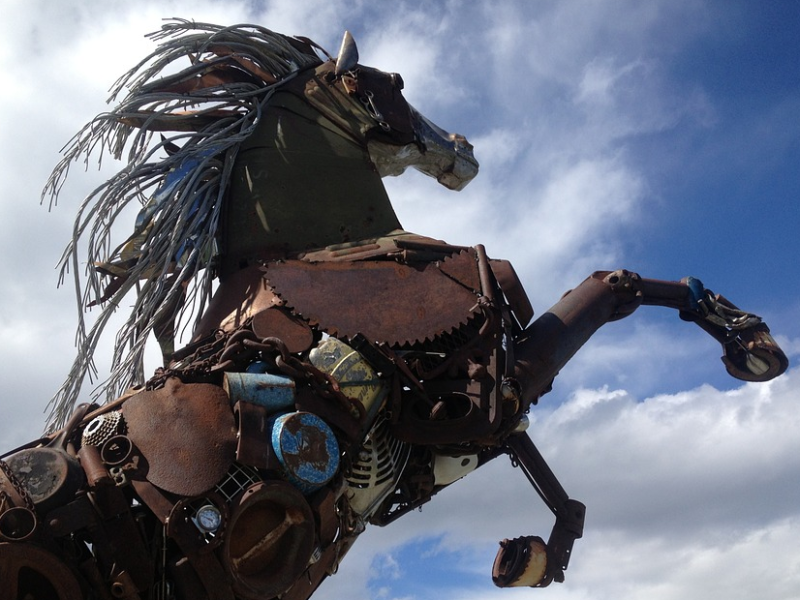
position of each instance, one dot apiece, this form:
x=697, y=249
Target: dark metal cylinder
x=554, y=338
x=96, y=472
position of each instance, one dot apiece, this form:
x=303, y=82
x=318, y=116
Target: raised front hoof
x=754, y=356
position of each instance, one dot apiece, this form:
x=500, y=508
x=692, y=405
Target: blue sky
x=658, y=136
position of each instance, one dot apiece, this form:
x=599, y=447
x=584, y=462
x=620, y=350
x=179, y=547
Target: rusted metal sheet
x=28, y=571
x=254, y=440
x=511, y=286
x=279, y=323
x=404, y=305
x=186, y=432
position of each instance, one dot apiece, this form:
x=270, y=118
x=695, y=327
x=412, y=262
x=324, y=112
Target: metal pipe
x=554, y=338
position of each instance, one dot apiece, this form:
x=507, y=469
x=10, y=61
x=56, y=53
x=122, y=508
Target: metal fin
x=348, y=55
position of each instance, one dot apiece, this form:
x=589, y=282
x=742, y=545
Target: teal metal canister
x=273, y=392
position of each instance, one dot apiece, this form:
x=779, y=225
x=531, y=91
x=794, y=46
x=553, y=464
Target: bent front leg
x=543, y=349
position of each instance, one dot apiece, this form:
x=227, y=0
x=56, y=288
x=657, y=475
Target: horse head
x=396, y=134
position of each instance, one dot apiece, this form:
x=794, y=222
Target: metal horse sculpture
x=344, y=372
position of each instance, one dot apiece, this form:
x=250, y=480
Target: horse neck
x=299, y=182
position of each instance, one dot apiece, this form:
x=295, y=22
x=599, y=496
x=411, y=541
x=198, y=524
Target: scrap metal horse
x=344, y=373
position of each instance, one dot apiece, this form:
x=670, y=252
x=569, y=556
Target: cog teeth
x=390, y=302
x=102, y=428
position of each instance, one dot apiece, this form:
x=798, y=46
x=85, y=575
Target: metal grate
x=237, y=479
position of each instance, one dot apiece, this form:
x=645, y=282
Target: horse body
x=344, y=372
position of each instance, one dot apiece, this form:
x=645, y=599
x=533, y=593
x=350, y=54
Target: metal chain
x=18, y=486
x=368, y=100
x=194, y=361
x=324, y=384
x=229, y=351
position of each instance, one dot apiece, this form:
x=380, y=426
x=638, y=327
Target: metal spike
x=348, y=55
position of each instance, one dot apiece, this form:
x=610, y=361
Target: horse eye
x=397, y=81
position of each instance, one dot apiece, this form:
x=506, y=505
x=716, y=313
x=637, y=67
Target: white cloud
x=690, y=493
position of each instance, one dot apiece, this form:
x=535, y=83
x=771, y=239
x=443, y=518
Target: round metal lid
x=186, y=432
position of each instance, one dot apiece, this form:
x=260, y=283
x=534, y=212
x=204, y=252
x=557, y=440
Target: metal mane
x=209, y=108
x=204, y=113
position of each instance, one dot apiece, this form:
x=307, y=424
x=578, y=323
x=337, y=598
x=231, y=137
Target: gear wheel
x=386, y=301
x=102, y=428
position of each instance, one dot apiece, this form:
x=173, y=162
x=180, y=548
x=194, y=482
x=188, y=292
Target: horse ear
x=348, y=55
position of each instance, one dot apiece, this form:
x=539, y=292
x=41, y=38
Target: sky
x=657, y=136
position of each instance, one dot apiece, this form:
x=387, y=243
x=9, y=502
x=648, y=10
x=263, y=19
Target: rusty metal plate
x=511, y=286
x=28, y=571
x=383, y=300
x=463, y=268
x=277, y=322
x=51, y=476
x=186, y=432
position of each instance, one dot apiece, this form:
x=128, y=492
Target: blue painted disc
x=306, y=448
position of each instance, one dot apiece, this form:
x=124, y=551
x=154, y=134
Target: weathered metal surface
x=511, y=286
x=102, y=427
x=186, y=432
x=50, y=476
x=306, y=448
x=277, y=322
x=405, y=305
x=254, y=459
x=254, y=447
x=356, y=378
x=96, y=472
x=521, y=562
x=753, y=355
x=273, y=392
x=270, y=540
x=31, y=572
x=17, y=523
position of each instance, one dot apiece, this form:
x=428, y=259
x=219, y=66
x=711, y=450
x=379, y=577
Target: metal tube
x=554, y=338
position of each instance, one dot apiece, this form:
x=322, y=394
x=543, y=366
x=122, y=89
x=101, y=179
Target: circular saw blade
x=383, y=300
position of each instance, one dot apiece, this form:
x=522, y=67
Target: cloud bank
x=658, y=136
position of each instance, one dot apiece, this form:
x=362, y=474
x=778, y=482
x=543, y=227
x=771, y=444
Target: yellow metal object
x=356, y=378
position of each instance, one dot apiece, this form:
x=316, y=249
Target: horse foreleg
x=552, y=340
x=529, y=561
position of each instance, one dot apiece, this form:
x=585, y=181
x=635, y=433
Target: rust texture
x=345, y=372
x=186, y=434
x=407, y=304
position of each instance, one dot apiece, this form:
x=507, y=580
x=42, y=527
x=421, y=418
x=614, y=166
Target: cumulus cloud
x=690, y=480
x=688, y=494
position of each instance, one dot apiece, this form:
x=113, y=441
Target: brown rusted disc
x=279, y=323
x=186, y=432
x=28, y=571
x=463, y=268
x=269, y=540
x=384, y=300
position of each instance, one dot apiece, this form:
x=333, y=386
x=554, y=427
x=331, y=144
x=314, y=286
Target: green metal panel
x=297, y=186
